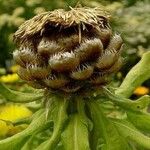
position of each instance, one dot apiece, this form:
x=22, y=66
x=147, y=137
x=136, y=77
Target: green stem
x=75, y=135
x=104, y=134
x=19, y=97
x=128, y=104
x=98, y=125
x=136, y=76
x=81, y=107
x=60, y=118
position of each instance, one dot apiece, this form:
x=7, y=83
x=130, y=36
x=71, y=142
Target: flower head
x=59, y=49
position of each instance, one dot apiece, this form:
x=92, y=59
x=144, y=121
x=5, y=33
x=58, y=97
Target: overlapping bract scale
x=70, y=58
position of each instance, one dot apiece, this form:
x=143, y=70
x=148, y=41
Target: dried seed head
x=68, y=43
x=63, y=61
x=71, y=88
x=38, y=72
x=25, y=56
x=107, y=59
x=104, y=34
x=56, y=81
x=82, y=72
x=48, y=47
x=68, y=50
x=115, y=42
x=83, y=16
x=24, y=74
x=35, y=84
x=99, y=78
x=17, y=59
x=89, y=50
x=116, y=66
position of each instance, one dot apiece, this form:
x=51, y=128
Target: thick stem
x=59, y=119
x=137, y=75
x=75, y=135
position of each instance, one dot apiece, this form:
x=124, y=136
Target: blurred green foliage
x=133, y=23
x=129, y=17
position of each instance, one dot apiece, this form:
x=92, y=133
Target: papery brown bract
x=68, y=50
x=82, y=72
x=56, y=82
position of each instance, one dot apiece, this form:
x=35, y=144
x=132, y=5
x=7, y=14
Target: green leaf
x=128, y=131
x=141, y=120
x=105, y=134
x=59, y=147
x=15, y=141
x=59, y=117
x=136, y=76
x=75, y=135
x=19, y=97
x=128, y=104
x=27, y=145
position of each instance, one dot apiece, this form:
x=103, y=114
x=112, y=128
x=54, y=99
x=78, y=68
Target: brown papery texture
x=68, y=50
